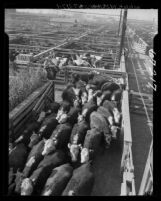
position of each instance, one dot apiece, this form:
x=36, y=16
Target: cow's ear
x=69, y=145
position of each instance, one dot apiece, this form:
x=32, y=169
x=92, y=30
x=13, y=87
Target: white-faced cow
x=77, y=138
x=91, y=144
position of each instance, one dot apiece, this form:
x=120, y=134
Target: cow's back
x=81, y=182
x=58, y=179
x=18, y=156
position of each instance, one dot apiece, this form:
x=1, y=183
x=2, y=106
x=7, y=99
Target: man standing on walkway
x=51, y=67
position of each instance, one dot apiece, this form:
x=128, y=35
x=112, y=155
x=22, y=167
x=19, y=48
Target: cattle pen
x=114, y=168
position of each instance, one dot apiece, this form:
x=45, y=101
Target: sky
x=138, y=14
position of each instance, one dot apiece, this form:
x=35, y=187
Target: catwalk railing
x=146, y=187
x=127, y=166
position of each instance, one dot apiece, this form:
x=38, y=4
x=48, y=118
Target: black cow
x=111, y=86
x=59, y=138
x=73, y=115
x=18, y=156
x=48, y=126
x=81, y=183
x=91, y=144
x=58, y=180
x=77, y=138
x=25, y=137
x=37, y=180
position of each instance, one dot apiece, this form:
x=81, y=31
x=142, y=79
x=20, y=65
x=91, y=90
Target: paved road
x=139, y=73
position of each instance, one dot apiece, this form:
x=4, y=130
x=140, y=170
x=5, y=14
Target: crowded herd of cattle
x=54, y=155
x=86, y=60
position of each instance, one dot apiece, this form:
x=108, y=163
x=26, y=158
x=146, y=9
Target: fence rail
x=146, y=186
x=23, y=112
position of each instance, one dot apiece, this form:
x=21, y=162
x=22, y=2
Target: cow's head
x=99, y=100
x=84, y=97
x=49, y=146
x=76, y=102
x=34, y=139
x=110, y=120
x=63, y=118
x=71, y=193
x=117, y=115
x=114, y=130
x=18, y=180
x=27, y=187
x=59, y=114
x=80, y=118
x=85, y=155
x=74, y=151
x=47, y=192
x=90, y=94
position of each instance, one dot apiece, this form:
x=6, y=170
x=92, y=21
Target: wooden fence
x=146, y=186
x=29, y=108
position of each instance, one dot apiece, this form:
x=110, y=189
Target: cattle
x=18, y=156
x=109, y=105
x=63, y=110
x=34, y=158
x=116, y=98
x=81, y=183
x=99, y=80
x=91, y=144
x=52, y=108
x=32, y=164
x=106, y=95
x=88, y=108
x=112, y=108
x=87, y=76
x=59, y=138
x=34, y=139
x=77, y=138
x=47, y=127
x=84, y=97
x=35, y=183
x=68, y=95
x=18, y=181
x=25, y=137
x=73, y=115
x=111, y=86
x=111, y=123
x=58, y=180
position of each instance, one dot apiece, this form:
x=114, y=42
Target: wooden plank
x=23, y=114
x=39, y=101
x=126, y=117
x=21, y=107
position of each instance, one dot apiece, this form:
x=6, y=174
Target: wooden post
x=123, y=33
